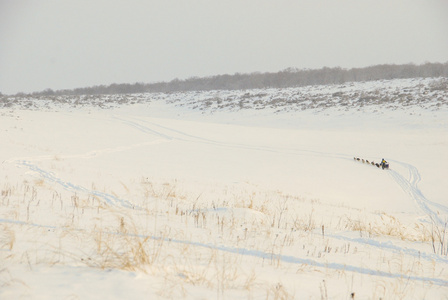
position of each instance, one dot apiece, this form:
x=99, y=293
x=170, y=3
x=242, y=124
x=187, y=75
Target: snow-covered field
x=227, y=194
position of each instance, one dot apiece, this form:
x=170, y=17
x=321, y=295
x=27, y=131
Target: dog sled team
x=384, y=164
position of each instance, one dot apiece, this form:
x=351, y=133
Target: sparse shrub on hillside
x=360, y=97
x=290, y=77
x=441, y=85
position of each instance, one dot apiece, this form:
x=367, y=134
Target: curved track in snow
x=166, y=134
x=30, y=163
x=411, y=188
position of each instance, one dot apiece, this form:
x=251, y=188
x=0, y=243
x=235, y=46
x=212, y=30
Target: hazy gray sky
x=75, y=43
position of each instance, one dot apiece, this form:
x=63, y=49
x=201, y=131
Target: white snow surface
x=227, y=194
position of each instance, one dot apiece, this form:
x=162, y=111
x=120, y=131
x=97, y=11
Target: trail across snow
x=410, y=186
x=211, y=193
x=165, y=134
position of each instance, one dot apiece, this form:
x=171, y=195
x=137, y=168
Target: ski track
x=271, y=256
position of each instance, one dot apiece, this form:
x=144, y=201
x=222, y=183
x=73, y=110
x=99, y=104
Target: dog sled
x=383, y=164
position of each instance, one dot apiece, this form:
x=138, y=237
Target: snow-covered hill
x=390, y=94
x=227, y=194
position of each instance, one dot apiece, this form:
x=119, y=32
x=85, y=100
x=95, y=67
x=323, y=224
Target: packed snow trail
x=167, y=134
x=174, y=134
x=50, y=176
x=411, y=187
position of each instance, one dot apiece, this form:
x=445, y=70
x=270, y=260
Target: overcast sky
x=62, y=44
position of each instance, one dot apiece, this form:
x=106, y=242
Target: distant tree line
x=290, y=77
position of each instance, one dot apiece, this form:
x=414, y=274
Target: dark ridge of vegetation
x=286, y=78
